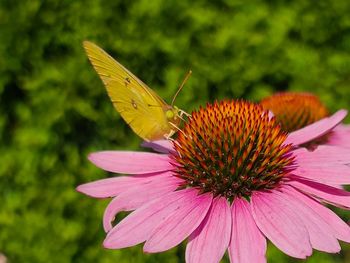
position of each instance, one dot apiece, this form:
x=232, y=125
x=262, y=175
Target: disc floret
x=231, y=149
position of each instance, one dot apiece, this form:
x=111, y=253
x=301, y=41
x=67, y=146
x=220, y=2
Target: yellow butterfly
x=148, y=115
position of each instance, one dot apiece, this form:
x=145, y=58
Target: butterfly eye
x=169, y=114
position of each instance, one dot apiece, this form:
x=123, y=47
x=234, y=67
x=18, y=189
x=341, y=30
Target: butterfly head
x=172, y=114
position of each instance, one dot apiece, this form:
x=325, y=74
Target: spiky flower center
x=295, y=110
x=231, y=149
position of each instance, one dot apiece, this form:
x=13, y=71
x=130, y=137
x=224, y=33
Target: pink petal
x=340, y=229
x=248, y=244
x=323, y=155
x=139, y=225
x=321, y=237
x=113, y=186
x=315, y=130
x=330, y=175
x=340, y=136
x=327, y=164
x=179, y=225
x=138, y=195
x=210, y=240
x=279, y=224
x=344, y=128
x=329, y=194
x=162, y=146
x=130, y=162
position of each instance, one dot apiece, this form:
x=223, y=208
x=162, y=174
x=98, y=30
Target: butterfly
x=148, y=115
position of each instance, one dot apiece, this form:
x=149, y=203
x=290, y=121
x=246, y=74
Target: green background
x=54, y=109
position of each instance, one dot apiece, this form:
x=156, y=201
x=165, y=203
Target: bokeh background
x=54, y=109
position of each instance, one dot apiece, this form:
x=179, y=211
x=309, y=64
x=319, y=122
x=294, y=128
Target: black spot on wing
x=133, y=103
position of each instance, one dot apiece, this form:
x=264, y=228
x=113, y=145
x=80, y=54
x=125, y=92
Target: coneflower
x=231, y=179
x=295, y=110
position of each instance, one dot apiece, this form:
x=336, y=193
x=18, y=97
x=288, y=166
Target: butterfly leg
x=184, y=113
x=172, y=132
x=169, y=135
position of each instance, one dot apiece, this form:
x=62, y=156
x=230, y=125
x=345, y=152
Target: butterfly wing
x=139, y=106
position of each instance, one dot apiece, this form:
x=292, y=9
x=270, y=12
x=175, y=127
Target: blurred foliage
x=54, y=109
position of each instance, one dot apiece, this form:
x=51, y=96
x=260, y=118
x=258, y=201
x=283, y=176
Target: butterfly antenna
x=181, y=86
